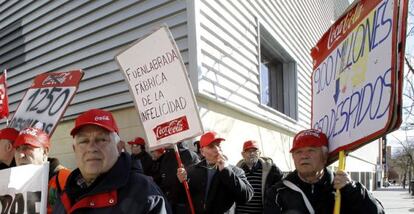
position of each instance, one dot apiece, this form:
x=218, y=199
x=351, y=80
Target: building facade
x=248, y=61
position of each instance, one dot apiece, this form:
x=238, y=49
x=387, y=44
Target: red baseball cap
x=250, y=144
x=309, y=138
x=208, y=138
x=34, y=137
x=96, y=117
x=138, y=141
x=9, y=134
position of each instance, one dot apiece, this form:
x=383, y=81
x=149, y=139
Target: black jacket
x=121, y=190
x=165, y=174
x=227, y=187
x=5, y=166
x=355, y=198
x=145, y=161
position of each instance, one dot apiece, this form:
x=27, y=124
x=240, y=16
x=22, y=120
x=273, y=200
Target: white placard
x=23, y=189
x=157, y=78
x=46, y=100
x=355, y=78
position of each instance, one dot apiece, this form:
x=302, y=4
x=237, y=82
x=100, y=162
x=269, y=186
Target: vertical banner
x=4, y=99
x=46, y=100
x=355, y=77
x=158, y=80
x=23, y=189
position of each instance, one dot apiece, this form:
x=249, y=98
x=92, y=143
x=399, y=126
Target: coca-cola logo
x=29, y=131
x=99, y=118
x=55, y=78
x=172, y=127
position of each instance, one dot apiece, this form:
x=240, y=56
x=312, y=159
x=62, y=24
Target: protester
x=138, y=153
x=7, y=138
x=311, y=187
x=214, y=184
x=261, y=173
x=166, y=179
x=32, y=147
x=156, y=154
x=105, y=180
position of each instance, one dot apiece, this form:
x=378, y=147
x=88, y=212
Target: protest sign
x=23, y=189
x=46, y=100
x=355, y=77
x=163, y=96
x=4, y=103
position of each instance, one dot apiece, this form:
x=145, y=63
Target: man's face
x=95, y=151
x=27, y=154
x=5, y=148
x=211, y=152
x=135, y=149
x=251, y=155
x=309, y=160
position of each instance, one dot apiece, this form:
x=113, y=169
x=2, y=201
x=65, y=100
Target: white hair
x=115, y=137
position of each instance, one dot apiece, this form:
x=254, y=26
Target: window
x=277, y=76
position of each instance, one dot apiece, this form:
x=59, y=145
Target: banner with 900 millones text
x=354, y=80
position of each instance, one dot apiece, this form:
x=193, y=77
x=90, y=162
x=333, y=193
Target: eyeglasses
x=255, y=151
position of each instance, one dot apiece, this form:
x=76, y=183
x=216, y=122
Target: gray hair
x=115, y=137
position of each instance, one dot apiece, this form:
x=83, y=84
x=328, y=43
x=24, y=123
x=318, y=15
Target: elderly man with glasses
x=261, y=173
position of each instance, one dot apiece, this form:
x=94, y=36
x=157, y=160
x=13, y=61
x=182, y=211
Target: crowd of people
x=108, y=179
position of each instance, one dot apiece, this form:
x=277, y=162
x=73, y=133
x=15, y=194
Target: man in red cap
x=32, y=147
x=261, y=173
x=311, y=187
x=214, y=184
x=106, y=180
x=7, y=138
x=164, y=174
x=138, y=153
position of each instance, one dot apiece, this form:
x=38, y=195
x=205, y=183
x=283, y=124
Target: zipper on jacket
x=312, y=188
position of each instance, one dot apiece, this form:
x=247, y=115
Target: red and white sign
x=158, y=81
x=355, y=75
x=4, y=103
x=23, y=189
x=46, y=100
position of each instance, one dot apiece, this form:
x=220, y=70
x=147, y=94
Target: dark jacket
x=227, y=187
x=355, y=198
x=271, y=174
x=121, y=190
x=5, y=166
x=145, y=161
x=165, y=176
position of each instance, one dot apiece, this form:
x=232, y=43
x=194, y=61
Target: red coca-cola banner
x=171, y=127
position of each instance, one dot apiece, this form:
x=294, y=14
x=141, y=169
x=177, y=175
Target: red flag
x=4, y=103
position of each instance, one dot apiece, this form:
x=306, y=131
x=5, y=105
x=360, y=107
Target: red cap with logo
x=209, y=138
x=34, y=137
x=9, y=134
x=250, y=144
x=96, y=117
x=309, y=138
x=137, y=141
